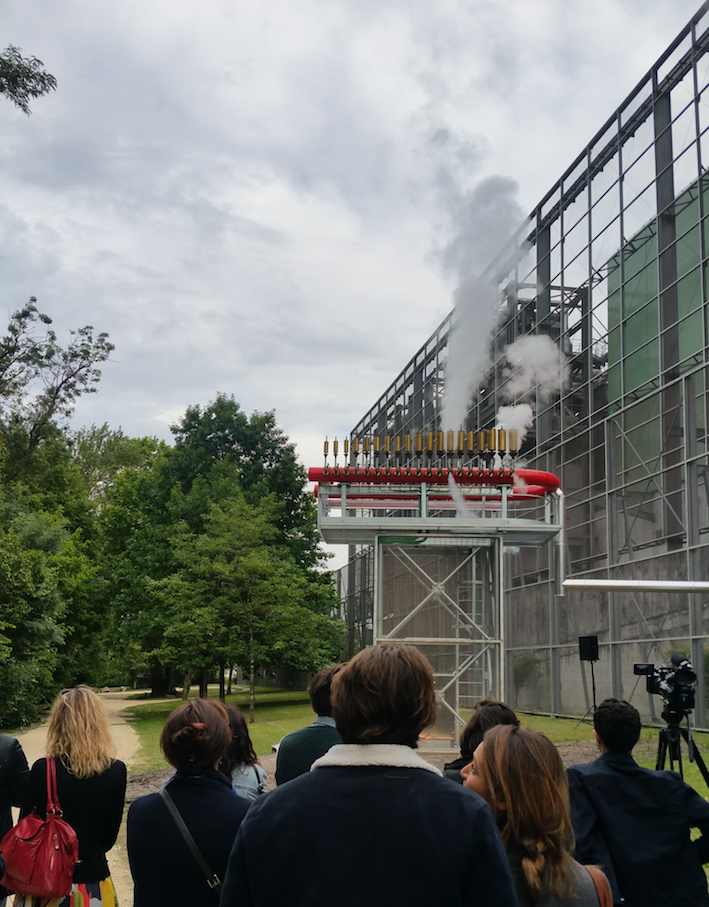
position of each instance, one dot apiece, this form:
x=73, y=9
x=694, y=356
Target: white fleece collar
x=388, y=754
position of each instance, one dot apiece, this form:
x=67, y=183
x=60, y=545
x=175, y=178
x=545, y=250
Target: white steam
x=518, y=418
x=461, y=505
x=468, y=360
x=482, y=219
x=535, y=363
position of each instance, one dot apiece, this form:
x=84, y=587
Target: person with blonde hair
x=91, y=785
x=519, y=773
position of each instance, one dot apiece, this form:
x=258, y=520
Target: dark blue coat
x=163, y=868
x=635, y=824
x=355, y=835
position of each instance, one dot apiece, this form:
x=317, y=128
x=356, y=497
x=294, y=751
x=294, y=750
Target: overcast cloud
x=252, y=197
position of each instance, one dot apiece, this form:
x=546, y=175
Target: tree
x=228, y=500
x=40, y=382
x=266, y=461
x=102, y=454
x=23, y=78
x=240, y=597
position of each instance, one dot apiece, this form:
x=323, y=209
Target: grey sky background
x=265, y=198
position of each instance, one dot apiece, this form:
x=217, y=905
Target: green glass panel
x=689, y=293
x=642, y=413
x=613, y=382
x=688, y=251
x=614, y=309
x=691, y=335
x=642, y=367
x=640, y=289
x=687, y=209
x=640, y=328
x=640, y=251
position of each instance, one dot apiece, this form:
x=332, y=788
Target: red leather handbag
x=40, y=854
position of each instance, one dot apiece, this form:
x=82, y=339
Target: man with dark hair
x=373, y=823
x=298, y=751
x=635, y=823
x=487, y=713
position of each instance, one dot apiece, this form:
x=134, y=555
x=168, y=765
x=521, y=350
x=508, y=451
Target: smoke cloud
x=483, y=220
x=535, y=362
x=518, y=418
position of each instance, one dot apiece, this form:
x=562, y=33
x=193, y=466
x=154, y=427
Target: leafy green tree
x=103, y=453
x=40, y=382
x=23, y=78
x=229, y=499
x=266, y=461
x=31, y=612
x=240, y=597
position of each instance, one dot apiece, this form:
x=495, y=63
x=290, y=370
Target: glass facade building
x=612, y=266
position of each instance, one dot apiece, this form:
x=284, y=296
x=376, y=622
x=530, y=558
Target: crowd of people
x=358, y=816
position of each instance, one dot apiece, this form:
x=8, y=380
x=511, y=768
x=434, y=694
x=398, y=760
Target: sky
x=265, y=198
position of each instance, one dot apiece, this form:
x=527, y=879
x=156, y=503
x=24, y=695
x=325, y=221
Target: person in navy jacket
x=194, y=740
x=372, y=822
x=635, y=823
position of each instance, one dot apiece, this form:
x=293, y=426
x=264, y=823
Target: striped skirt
x=83, y=894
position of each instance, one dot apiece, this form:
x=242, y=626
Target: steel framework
x=615, y=272
x=438, y=567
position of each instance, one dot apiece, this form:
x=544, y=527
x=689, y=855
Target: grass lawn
x=278, y=712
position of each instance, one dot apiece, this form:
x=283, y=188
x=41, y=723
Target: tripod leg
x=675, y=749
x=695, y=755
x=661, y=750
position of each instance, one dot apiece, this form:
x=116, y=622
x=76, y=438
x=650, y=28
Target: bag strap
x=212, y=878
x=603, y=888
x=53, y=804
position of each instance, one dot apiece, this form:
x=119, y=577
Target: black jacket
x=635, y=824
x=355, y=832
x=92, y=806
x=14, y=773
x=164, y=870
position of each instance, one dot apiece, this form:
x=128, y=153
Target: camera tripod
x=669, y=743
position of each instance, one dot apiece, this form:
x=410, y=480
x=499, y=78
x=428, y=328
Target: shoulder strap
x=212, y=878
x=603, y=888
x=260, y=781
x=53, y=805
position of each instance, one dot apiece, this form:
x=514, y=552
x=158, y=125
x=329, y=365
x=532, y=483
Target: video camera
x=675, y=684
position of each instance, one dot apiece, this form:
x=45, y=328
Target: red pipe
x=537, y=482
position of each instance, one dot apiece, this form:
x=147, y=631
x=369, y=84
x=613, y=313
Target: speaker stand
x=592, y=707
